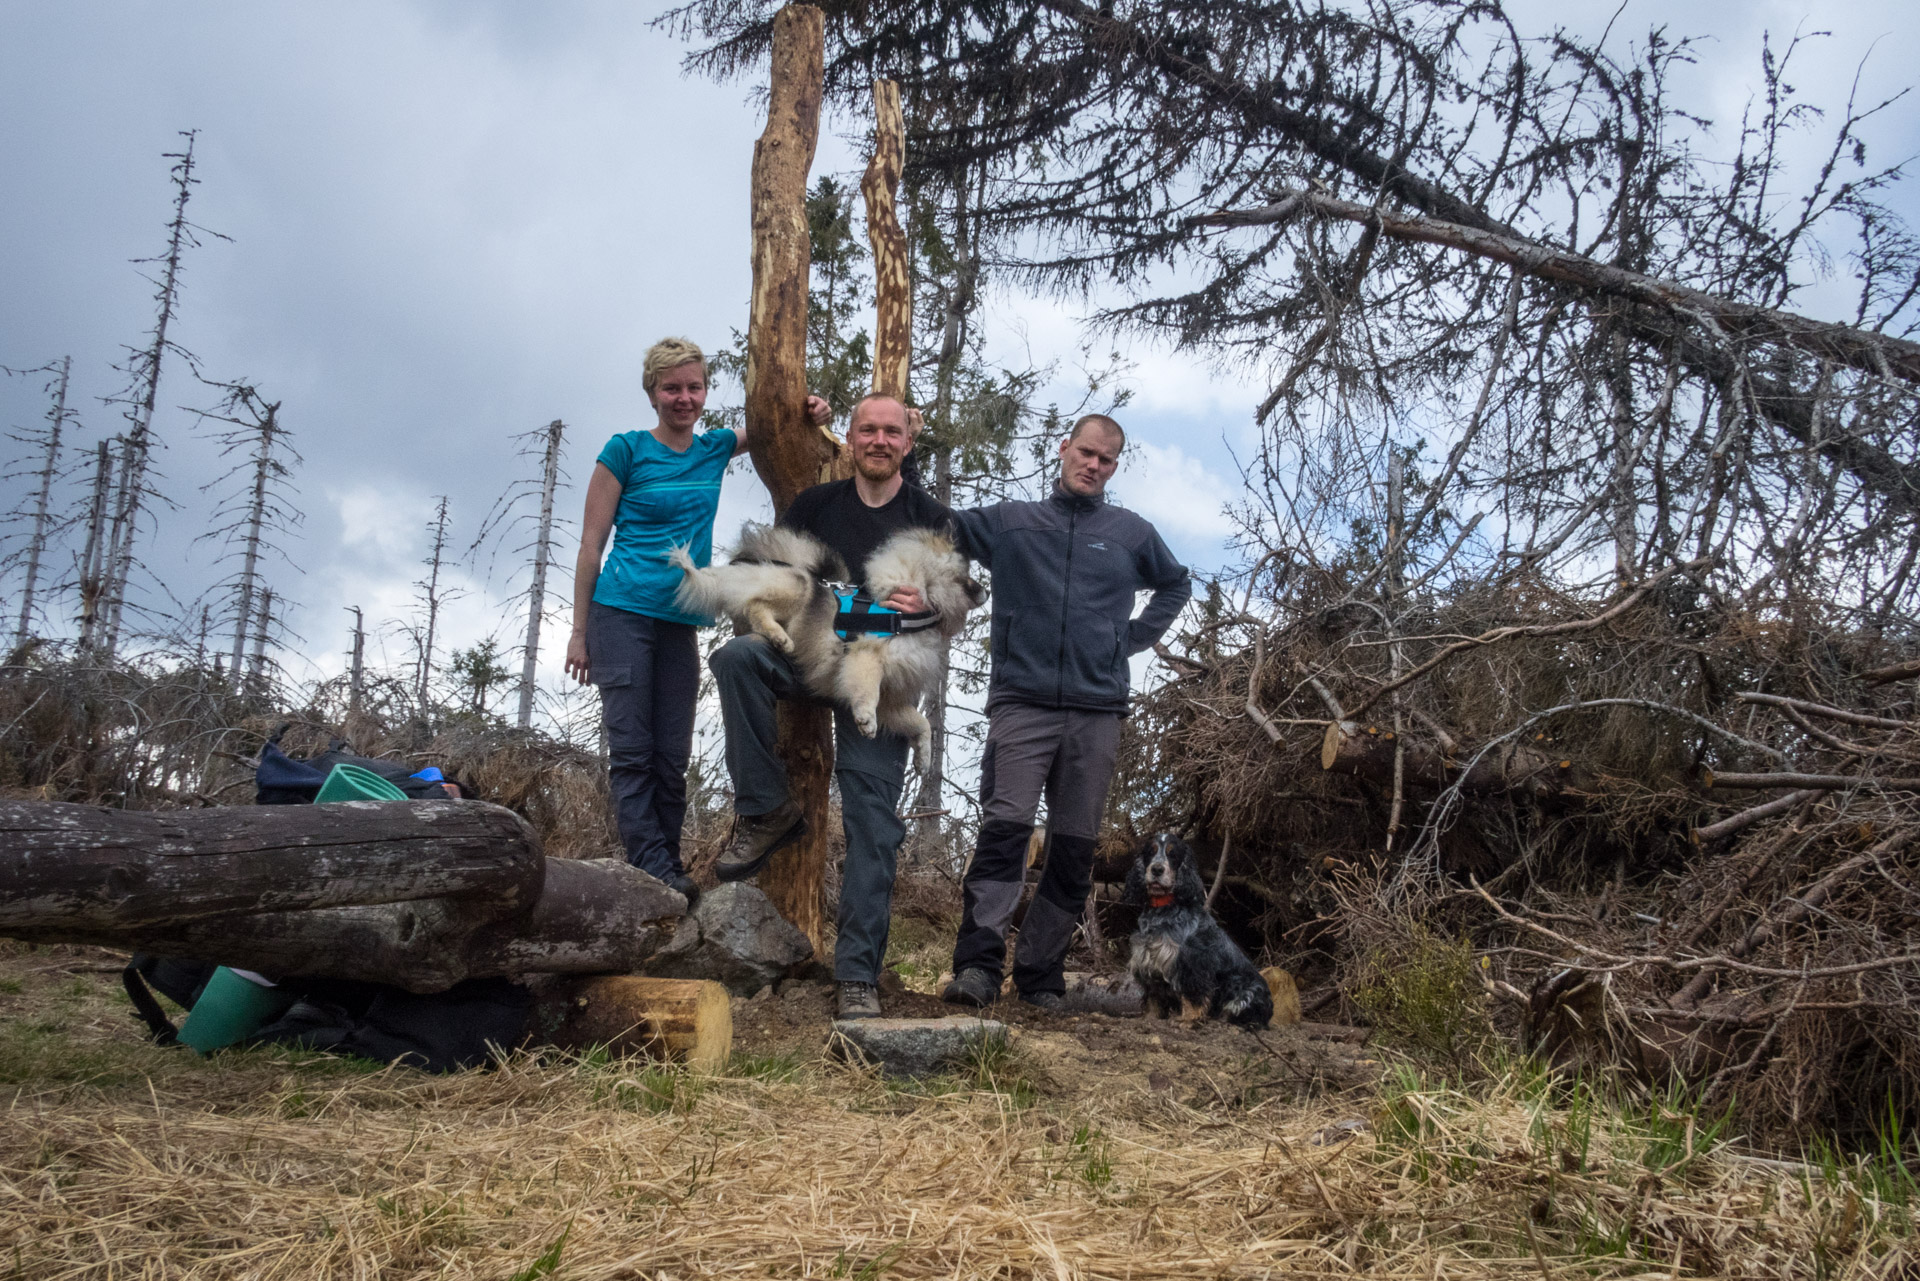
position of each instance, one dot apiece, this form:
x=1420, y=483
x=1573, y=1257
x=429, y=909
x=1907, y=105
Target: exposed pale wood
x=893, y=283
x=685, y=1020
x=789, y=453
x=90, y=868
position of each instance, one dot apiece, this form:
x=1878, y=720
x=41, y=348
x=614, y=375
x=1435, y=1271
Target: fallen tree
x=416, y=894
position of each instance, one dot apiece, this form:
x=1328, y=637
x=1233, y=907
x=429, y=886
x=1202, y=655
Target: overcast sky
x=451, y=222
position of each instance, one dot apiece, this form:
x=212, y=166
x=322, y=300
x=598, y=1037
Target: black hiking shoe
x=1052, y=1002
x=858, y=1001
x=683, y=884
x=756, y=839
x=971, y=987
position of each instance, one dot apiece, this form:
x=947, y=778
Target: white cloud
x=1175, y=491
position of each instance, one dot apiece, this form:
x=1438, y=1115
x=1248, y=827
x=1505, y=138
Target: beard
x=876, y=469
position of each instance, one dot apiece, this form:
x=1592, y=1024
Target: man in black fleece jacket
x=1065, y=574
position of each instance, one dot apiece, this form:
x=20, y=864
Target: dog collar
x=1159, y=900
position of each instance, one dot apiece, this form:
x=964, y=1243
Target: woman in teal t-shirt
x=654, y=491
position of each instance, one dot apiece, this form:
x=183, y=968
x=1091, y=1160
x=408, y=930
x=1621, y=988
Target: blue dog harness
x=856, y=614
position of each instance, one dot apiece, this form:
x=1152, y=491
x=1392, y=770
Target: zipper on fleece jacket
x=1066, y=594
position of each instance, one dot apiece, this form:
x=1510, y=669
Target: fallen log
x=82, y=872
x=1367, y=751
x=594, y=916
x=1896, y=672
x=683, y=1020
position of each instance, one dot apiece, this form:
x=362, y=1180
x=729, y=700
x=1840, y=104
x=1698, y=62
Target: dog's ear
x=1188, y=889
x=1135, y=890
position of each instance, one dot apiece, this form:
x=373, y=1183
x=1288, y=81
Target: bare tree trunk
x=953, y=338
x=542, y=554
x=257, y=667
x=138, y=442
x=425, y=670
x=788, y=452
x=256, y=516
x=93, y=559
x=37, y=542
x=357, y=671
x=892, y=277
x=1396, y=581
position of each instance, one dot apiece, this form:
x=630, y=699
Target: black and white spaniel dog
x=1183, y=960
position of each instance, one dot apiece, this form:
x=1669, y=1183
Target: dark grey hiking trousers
x=753, y=677
x=1065, y=757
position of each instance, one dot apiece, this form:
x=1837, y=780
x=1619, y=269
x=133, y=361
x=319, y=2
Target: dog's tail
x=682, y=560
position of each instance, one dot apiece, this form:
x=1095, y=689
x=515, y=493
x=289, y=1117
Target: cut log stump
x=680, y=1020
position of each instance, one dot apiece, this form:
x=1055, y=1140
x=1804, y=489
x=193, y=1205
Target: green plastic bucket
x=355, y=783
x=232, y=1008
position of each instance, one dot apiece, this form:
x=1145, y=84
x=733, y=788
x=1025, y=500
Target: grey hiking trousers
x=1065, y=756
x=753, y=677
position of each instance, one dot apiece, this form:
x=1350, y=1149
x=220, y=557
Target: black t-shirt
x=834, y=514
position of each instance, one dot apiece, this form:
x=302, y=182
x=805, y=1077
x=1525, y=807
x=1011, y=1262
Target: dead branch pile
x=1680, y=833
x=150, y=734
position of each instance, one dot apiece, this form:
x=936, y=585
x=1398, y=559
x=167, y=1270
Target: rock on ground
x=735, y=937
x=912, y=1047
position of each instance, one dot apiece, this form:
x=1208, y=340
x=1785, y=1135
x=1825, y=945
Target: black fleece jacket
x=1065, y=572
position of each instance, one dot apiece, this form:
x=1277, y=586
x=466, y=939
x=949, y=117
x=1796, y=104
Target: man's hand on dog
x=907, y=600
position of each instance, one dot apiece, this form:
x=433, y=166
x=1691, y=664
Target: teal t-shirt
x=667, y=500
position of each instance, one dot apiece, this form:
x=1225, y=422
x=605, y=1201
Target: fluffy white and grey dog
x=1184, y=961
x=775, y=585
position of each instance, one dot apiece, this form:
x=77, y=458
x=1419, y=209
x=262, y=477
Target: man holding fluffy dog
x=853, y=517
x=1065, y=574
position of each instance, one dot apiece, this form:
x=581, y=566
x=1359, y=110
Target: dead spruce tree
x=251, y=518
x=510, y=514
x=432, y=597
x=45, y=444
x=132, y=491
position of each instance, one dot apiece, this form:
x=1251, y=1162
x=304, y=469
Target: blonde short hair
x=669, y=353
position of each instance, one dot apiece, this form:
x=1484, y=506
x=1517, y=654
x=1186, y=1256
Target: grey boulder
x=734, y=937
x=913, y=1047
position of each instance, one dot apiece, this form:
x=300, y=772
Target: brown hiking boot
x=858, y=1001
x=757, y=838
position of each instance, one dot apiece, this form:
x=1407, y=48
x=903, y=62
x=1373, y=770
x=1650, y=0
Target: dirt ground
x=1081, y=1057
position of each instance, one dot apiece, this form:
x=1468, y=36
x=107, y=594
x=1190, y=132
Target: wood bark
x=685, y=1020
x=788, y=452
x=592, y=917
x=83, y=868
x=892, y=279
x=1370, y=751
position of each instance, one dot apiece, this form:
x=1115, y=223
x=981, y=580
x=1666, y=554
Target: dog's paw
x=866, y=722
x=777, y=636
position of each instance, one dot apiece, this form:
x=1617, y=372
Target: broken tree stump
x=84, y=870
x=682, y=1020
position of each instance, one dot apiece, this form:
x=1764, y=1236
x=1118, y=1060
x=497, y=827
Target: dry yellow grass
x=123, y=1160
